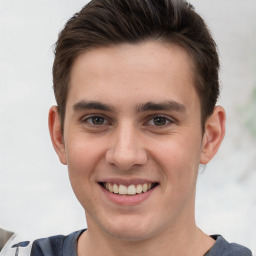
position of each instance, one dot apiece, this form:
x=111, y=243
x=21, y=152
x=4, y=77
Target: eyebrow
x=85, y=105
x=167, y=106
x=148, y=106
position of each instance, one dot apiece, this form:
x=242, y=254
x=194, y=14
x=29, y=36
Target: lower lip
x=127, y=199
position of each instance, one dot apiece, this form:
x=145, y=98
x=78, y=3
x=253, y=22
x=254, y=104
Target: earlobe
x=213, y=135
x=56, y=134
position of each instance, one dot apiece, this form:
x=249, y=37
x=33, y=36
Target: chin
x=130, y=231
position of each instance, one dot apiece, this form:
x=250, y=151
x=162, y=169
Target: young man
x=136, y=84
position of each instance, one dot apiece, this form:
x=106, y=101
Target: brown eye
x=97, y=120
x=160, y=120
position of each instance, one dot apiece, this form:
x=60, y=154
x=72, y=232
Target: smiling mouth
x=130, y=190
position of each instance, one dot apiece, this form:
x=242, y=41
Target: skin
x=133, y=114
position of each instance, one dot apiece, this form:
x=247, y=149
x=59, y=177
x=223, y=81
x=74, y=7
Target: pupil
x=97, y=120
x=160, y=121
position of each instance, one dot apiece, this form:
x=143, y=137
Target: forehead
x=150, y=68
x=156, y=54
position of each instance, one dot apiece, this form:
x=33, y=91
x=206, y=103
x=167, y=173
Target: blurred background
x=35, y=194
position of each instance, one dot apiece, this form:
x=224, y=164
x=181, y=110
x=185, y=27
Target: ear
x=56, y=134
x=213, y=135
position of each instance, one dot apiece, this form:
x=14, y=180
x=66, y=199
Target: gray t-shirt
x=224, y=248
x=67, y=246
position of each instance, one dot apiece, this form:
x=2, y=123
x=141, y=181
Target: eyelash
x=167, y=120
x=87, y=118
x=150, y=121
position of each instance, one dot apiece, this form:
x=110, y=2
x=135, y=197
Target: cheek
x=83, y=157
x=180, y=151
x=179, y=158
x=83, y=154
x=82, y=162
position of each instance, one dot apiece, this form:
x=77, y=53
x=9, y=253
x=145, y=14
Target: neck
x=187, y=242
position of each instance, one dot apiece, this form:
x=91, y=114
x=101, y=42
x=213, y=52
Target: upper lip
x=127, y=182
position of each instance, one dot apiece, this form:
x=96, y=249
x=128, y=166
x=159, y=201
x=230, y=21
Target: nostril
x=126, y=159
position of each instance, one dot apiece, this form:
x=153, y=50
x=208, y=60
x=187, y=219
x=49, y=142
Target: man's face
x=133, y=123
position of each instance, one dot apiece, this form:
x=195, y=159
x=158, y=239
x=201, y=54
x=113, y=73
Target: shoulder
x=224, y=248
x=56, y=245
x=48, y=246
x=59, y=245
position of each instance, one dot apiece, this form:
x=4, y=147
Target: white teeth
x=110, y=187
x=139, y=189
x=115, y=189
x=122, y=190
x=145, y=187
x=130, y=190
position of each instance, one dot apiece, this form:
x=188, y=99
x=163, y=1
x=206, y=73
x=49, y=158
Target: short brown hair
x=109, y=22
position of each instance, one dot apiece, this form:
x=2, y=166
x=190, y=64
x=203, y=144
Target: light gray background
x=36, y=199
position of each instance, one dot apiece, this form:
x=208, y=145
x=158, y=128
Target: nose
x=126, y=149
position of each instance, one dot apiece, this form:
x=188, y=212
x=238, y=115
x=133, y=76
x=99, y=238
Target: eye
x=159, y=121
x=95, y=120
